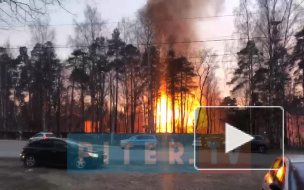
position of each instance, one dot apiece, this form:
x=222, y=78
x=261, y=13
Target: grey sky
x=113, y=11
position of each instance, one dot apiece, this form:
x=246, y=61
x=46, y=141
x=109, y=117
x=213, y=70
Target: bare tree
x=146, y=37
x=204, y=69
x=88, y=38
x=16, y=11
x=244, y=20
x=41, y=31
x=87, y=31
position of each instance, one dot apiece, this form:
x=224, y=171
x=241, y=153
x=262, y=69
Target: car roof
x=48, y=140
x=143, y=135
x=45, y=133
x=295, y=158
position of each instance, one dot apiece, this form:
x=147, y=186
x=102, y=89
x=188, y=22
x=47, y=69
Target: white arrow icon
x=235, y=138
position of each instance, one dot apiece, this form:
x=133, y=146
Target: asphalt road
x=14, y=176
x=118, y=175
x=11, y=149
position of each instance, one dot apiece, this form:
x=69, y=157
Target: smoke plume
x=172, y=19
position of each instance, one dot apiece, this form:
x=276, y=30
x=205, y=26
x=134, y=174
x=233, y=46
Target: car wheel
x=79, y=163
x=261, y=149
x=100, y=163
x=128, y=146
x=30, y=161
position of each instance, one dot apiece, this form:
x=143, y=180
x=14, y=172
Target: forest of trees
x=117, y=82
x=114, y=85
x=270, y=69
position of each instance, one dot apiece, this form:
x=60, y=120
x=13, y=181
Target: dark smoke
x=171, y=18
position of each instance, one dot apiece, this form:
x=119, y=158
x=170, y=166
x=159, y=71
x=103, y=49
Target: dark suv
x=259, y=144
x=61, y=153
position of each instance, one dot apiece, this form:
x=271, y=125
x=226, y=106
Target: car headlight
x=94, y=155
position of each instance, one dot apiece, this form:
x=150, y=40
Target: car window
x=38, y=135
x=151, y=137
x=259, y=138
x=140, y=137
x=145, y=137
x=50, y=135
x=60, y=144
x=46, y=144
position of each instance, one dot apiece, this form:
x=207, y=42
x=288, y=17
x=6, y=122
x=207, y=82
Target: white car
x=42, y=135
x=287, y=177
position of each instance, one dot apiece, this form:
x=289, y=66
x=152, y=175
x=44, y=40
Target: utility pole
x=275, y=39
x=250, y=44
x=150, y=106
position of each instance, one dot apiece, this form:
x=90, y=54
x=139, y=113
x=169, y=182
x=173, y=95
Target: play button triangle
x=235, y=138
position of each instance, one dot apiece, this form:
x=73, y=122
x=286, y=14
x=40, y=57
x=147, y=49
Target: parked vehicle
x=42, y=135
x=145, y=141
x=217, y=141
x=197, y=143
x=60, y=152
x=287, y=176
x=259, y=144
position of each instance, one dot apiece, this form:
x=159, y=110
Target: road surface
x=13, y=175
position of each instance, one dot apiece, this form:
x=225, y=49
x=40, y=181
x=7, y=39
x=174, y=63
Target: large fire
x=165, y=113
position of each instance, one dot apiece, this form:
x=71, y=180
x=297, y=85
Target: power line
x=118, y=22
x=155, y=44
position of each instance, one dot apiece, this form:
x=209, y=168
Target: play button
x=235, y=138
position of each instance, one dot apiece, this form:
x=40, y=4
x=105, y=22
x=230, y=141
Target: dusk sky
x=113, y=11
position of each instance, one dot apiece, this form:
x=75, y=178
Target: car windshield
x=38, y=135
x=72, y=142
x=134, y=137
x=50, y=135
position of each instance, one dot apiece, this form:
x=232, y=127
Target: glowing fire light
x=164, y=115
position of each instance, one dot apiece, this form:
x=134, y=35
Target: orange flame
x=165, y=112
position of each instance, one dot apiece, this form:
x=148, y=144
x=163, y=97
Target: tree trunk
x=71, y=126
x=42, y=109
x=58, y=105
x=93, y=126
x=111, y=106
x=144, y=114
x=303, y=81
x=167, y=99
x=207, y=110
x=102, y=103
x=181, y=104
x=151, y=107
x=173, y=110
x=82, y=108
x=116, y=102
